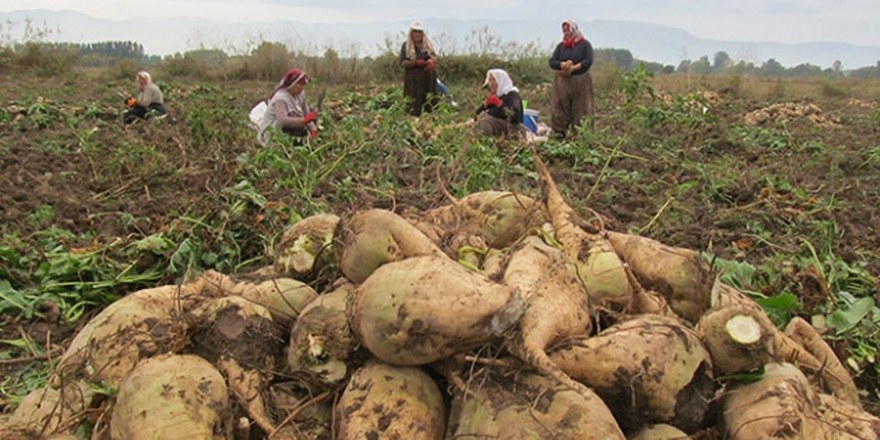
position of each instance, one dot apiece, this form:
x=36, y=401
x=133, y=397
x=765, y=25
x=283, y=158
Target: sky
x=781, y=21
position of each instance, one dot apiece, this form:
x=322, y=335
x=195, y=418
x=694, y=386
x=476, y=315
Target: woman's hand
x=492, y=101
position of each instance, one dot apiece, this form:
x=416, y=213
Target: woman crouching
x=288, y=110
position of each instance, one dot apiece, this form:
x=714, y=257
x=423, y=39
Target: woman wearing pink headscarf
x=572, y=98
x=419, y=61
x=288, y=110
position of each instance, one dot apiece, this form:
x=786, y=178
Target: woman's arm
x=284, y=120
x=406, y=62
x=510, y=110
x=556, y=58
x=585, y=56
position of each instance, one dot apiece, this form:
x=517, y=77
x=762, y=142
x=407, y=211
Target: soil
x=45, y=166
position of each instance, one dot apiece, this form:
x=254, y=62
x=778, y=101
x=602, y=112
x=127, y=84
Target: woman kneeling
x=501, y=113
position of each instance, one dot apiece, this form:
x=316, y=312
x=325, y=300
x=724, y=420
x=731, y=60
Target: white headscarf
x=145, y=75
x=426, y=42
x=505, y=84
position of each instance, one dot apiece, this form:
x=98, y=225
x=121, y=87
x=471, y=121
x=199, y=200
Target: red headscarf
x=576, y=36
x=290, y=78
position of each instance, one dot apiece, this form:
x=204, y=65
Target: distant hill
x=647, y=42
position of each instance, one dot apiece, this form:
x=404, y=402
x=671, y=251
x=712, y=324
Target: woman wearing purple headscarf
x=572, y=98
x=288, y=110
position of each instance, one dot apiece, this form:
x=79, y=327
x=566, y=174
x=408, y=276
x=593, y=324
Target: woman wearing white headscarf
x=501, y=113
x=149, y=102
x=572, y=98
x=419, y=61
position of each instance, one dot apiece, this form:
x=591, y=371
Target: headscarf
x=290, y=78
x=411, y=46
x=505, y=84
x=576, y=36
x=145, y=75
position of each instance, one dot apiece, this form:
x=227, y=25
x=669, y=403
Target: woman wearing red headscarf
x=287, y=108
x=572, y=97
x=419, y=61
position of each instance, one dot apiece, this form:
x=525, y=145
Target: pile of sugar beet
x=496, y=316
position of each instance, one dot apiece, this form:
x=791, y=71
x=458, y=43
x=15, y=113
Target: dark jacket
x=511, y=109
x=582, y=52
x=421, y=54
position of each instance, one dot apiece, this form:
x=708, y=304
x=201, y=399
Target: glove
x=430, y=64
x=313, y=134
x=420, y=63
x=492, y=101
x=311, y=117
x=130, y=101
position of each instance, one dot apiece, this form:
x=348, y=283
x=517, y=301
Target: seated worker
x=501, y=114
x=149, y=102
x=287, y=109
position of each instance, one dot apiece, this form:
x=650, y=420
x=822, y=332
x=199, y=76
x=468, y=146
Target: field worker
x=149, y=102
x=501, y=113
x=288, y=110
x=572, y=98
x=419, y=61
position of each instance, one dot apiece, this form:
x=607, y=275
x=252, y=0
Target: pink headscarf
x=290, y=78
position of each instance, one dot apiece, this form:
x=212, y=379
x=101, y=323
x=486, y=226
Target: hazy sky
x=782, y=21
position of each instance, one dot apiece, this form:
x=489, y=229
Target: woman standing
x=287, y=108
x=419, y=61
x=501, y=114
x=572, y=97
x=149, y=102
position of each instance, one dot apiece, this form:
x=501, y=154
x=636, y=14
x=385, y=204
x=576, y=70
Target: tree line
x=106, y=52
x=722, y=63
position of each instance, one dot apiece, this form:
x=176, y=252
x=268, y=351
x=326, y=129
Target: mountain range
x=648, y=42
